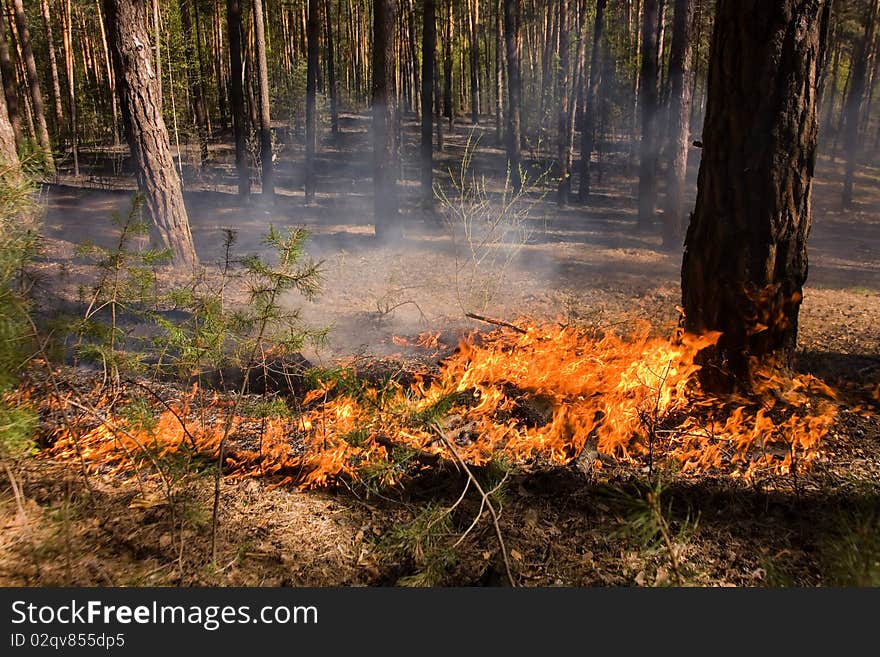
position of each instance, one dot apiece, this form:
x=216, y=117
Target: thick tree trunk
x=387, y=217
x=648, y=155
x=590, y=111
x=680, y=72
x=853, y=105
x=311, y=90
x=745, y=259
x=9, y=166
x=514, y=86
x=10, y=87
x=236, y=95
x=268, y=177
x=429, y=45
x=33, y=84
x=145, y=128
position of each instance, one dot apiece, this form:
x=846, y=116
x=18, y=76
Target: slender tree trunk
x=449, y=35
x=588, y=133
x=268, y=178
x=745, y=259
x=199, y=107
x=499, y=71
x=648, y=103
x=473, y=8
x=563, y=86
x=311, y=89
x=387, y=217
x=854, y=101
x=514, y=85
x=33, y=83
x=429, y=45
x=111, y=77
x=10, y=94
x=679, y=122
x=70, y=70
x=331, y=71
x=53, y=66
x=236, y=95
x=145, y=128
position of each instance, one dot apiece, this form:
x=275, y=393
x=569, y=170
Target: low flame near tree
x=549, y=393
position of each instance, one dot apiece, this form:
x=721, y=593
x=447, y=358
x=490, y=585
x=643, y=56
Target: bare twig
x=496, y=322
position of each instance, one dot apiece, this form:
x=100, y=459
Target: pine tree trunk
x=10, y=94
x=387, y=218
x=53, y=66
x=648, y=106
x=311, y=89
x=331, y=71
x=745, y=259
x=448, y=86
x=145, y=128
x=111, y=78
x=679, y=122
x=563, y=86
x=854, y=99
x=514, y=85
x=474, y=58
x=193, y=78
x=70, y=69
x=33, y=84
x=429, y=45
x=588, y=133
x=236, y=95
x=499, y=71
x=9, y=165
x=268, y=177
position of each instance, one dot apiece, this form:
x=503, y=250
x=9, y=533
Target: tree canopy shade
x=745, y=258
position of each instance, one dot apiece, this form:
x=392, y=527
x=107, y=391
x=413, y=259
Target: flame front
x=543, y=394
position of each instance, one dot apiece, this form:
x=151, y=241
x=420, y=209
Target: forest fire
x=551, y=393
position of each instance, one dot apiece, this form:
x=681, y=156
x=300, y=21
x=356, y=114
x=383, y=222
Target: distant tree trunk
x=387, y=218
x=514, y=86
x=236, y=95
x=268, y=178
x=311, y=91
x=199, y=107
x=33, y=84
x=429, y=45
x=745, y=259
x=438, y=103
x=854, y=101
x=111, y=77
x=10, y=93
x=679, y=122
x=588, y=131
x=449, y=35
x=563, y=86
x=648, y=104
x=499, y=71
x=69, y=68
x=145, y=128
x=53, y=66
x=331, y=71
x=473, y=7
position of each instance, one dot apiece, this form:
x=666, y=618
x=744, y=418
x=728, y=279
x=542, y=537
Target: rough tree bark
x=33, y=84
x=680, y=73
x=745, y=259
x=514, y=87
x=387, y=217
x=268, y=178
x=311, y=89
x=590, y=111
x=9, y=166
x=648, y=105
x=10, y=93
x=429, y=45
x=236, y=95
x=145, y=128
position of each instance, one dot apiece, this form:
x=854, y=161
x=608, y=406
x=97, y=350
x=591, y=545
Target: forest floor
x=571, y=265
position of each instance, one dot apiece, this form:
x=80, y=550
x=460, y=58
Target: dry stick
x=485, y=497
x=496, y=322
